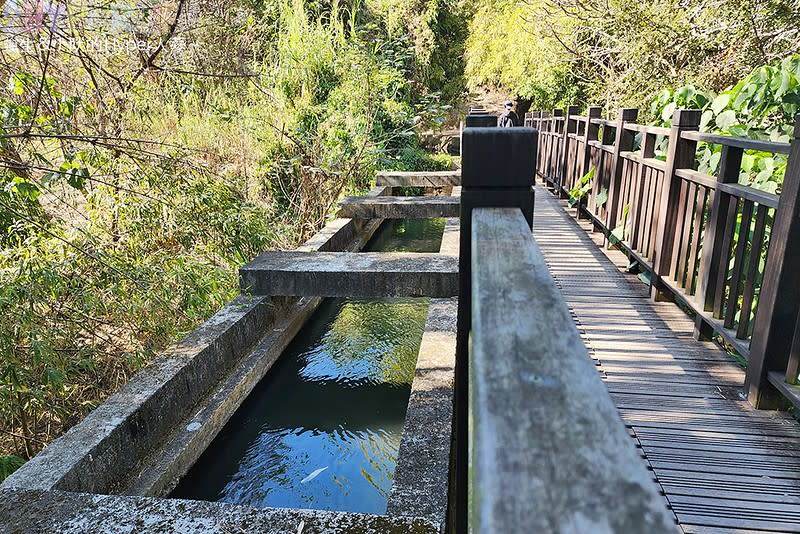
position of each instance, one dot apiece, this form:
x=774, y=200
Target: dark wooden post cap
x=629, y=114
x=686, y=118
x=498, y=158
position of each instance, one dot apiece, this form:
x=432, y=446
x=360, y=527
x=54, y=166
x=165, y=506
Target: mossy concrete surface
x=34, y=512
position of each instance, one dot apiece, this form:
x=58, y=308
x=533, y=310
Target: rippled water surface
x=322, y=430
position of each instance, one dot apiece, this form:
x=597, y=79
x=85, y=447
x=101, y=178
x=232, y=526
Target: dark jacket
x=508, y=119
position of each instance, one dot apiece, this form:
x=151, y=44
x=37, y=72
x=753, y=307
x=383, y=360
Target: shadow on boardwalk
x=723, y=466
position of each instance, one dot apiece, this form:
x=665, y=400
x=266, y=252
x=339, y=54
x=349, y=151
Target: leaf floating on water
x=314, y=474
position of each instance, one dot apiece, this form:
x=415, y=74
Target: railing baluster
x=725, y=259
x=697, y=233
x=680, y=155
x=685, y=220
x=570, y=126
x=752, y=271
x=793, y=366
x=623, y=142
x=651, y=198
x=641, y=201
x=601, y=173
x=557, y=138
x=590, y=134
x=714, y=261
x=738, y=264
x=780, y=291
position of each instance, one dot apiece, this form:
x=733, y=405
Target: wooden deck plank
x=723, y=466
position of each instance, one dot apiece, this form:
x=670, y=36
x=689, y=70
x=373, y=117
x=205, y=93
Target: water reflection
x=322, y=430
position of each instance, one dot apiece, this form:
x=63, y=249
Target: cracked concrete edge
x=35, y=511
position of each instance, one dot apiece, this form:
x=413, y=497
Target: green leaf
x=786, y=79
x=602, y=197
x=720, y=103
x=769, y=186
x=669, y=109
x=23, y=188
x=767, y=164
x=705, y=119
x=713, y=161
x=726, y=119
x=77, y=177
x=617, y=235
x=748, y=160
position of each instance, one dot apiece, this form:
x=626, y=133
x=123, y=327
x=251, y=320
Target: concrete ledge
x=421, y=480
x=76, y=513
x=339, y=274
x=548, y=449
x=423, y=463
x=339, y=234
x=97, y=454
x=418, y=179
x=386, y=207
x=159, y=473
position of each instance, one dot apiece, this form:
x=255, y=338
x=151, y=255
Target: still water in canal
x=322, y=429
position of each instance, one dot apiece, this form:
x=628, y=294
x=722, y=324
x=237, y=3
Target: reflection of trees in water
x=338, y=403
x=409, y=235
x=376, y=339
x=380, y=449
x=274, y=466
x=246, y=485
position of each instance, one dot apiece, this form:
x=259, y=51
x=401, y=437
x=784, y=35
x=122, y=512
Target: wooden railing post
x=570, y=127
x=680, y=155
x=590, y=134
x=780, y=292
x=536, y=122
x=548, y=451
x=648, y=147
x=497, y=171
x=557, y=127
x=622, y=143
x=714, y=262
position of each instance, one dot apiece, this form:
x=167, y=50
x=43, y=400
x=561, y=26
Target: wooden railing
x=538, y=440
x=729, y=252
x=547, y=446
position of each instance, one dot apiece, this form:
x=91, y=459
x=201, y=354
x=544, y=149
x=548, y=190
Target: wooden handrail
x=547, y=445
x=738, y=142
x=657, y=130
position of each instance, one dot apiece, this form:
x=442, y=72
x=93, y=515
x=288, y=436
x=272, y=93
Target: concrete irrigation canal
x=323, y=429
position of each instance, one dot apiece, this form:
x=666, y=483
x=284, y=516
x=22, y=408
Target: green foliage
x=584, y=185
x=760, y=106
x=8, y=464
x=435, y=32
x=617, y=53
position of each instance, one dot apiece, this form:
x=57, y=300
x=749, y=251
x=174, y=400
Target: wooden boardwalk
x=722, y=465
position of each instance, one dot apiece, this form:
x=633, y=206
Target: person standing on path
x=508, y=119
